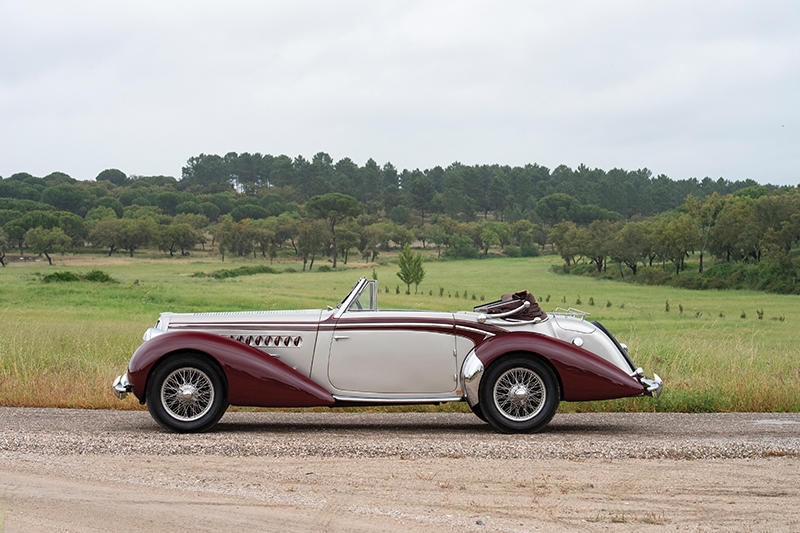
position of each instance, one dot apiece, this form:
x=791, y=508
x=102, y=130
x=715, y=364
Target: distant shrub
x=530, y=250
x=97, y=276
x=324, y=268
x=461, y=246
x=512, y=251
x=236, y=272
x=61, y=276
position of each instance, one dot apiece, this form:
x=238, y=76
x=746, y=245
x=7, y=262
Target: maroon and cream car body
x=513, y=372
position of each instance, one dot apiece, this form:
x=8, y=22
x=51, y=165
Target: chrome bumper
x=652, y=387
x=122, y=386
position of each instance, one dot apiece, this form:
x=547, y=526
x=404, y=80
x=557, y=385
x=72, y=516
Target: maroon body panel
x=584, y=375
x=254, y=378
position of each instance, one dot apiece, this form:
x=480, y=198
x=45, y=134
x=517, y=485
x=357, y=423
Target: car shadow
x=415, y=427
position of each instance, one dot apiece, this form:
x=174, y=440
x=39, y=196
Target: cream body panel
x=386, y=360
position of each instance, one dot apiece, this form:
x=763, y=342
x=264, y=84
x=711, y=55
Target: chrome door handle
x=340, y=337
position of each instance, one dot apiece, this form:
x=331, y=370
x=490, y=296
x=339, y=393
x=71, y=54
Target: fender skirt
x=583, y=375
x=254, y=378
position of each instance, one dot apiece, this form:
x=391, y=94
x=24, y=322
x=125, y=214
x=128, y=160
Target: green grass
x=63, y=343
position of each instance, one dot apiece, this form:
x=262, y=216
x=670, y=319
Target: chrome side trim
x=398, y=325
x=475, y=330
x=471, y=373
x=398, y=400
x=122, y=386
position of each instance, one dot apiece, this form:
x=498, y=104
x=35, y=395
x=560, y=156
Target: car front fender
x=254, y=378
x=582, y=374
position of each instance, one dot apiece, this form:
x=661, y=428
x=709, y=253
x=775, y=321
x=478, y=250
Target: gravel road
x=87, y=470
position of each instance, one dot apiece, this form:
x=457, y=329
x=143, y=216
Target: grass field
x=62, y=343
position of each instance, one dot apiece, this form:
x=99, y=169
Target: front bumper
x=122, y=386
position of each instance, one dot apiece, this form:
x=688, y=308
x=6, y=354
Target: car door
x=397, y=353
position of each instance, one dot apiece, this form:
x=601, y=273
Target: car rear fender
x=583, y=375
x=254, y=378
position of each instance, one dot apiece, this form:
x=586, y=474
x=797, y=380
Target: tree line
x=250, y=204
x=749, y=227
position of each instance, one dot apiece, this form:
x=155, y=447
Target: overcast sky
x=689, y=89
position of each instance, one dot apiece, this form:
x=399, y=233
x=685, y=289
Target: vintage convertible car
x=508, y=359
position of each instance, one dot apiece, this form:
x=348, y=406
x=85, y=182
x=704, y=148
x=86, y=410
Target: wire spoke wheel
x=187, y=394
x=519, y=394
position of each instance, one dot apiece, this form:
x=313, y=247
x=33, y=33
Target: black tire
x=186, y=410
x=478, y=411
x=519, y=395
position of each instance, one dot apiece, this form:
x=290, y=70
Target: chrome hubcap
x=187, y=394
x=519, y=394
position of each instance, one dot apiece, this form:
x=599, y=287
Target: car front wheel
x=519, y=395
x=186, y=394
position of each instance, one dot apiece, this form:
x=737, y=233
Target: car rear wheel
x=519, y=395
x=476, y=409
x=186, y=394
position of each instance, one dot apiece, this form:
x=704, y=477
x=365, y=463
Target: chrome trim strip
x=515, y=322
x=484, y=317
x=350, y=297
x=423, y=399
x=299, y=326
x=346, y=325
x=475, y=330
x=471, y=373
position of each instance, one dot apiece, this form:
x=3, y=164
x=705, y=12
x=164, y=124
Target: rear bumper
x=122, y=386
x=652, y=387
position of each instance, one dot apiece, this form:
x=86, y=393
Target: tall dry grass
x=61, y=344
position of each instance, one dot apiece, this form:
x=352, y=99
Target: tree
x=178, y=236
x=736, y=234
x=631, y=244
x=45, y=241
x=334, y=207
x=15, y=231
x=677, y=236
x=566, y=239
x=597, y=243
x=113, y=175
x=4, y=244
x=421, y=191
x=135, y=232
x=347, y=238
x=74, y=226
x=435, y=234
x=311, y=235
x=106, y=234
x=67, y=197
x=411, y=270
x=100, y=213
x=704, y=216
